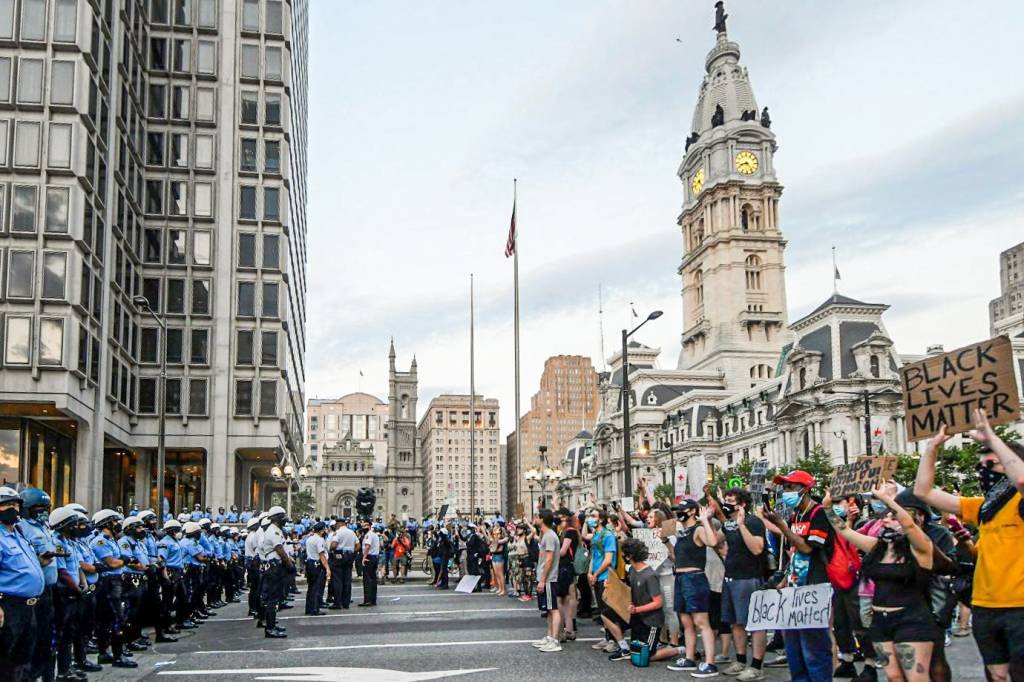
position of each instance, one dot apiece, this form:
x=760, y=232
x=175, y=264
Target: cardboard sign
x=520, y=510
x=792, y=608
x=668, y=528
x=862, y=476
x=657, y=552
x=467, y=584
x=696, y=475
x=947, y=388
x=617, y=595
x=626, y=504
x=757, y=474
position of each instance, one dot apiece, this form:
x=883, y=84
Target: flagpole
x=835, y=271
x=472, y=406
x=515, y=276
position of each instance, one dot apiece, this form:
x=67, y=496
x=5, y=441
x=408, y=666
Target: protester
x=547, y=586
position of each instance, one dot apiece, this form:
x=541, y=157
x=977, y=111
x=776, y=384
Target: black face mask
x=988, y=478
x=728, y=509
x=889, y=535
x=9, y=516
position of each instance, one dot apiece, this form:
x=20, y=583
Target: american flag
x=510, y=245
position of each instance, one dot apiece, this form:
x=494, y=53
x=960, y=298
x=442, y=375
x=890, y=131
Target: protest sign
x=696, y=475
x=520, y=510
x=947, y=388
x=792, y=608
x=617, y=596
x=757, y=474
x=626, y=504
x=862, y=476
x=657, y=552
x=468, y=583
x=668, y=528
x=680, y=486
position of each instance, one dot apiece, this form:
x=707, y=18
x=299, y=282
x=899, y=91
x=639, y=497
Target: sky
x=900, y=137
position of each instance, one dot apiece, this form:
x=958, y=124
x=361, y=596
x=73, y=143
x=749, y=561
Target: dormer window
x=875, y=365
x=803, y=378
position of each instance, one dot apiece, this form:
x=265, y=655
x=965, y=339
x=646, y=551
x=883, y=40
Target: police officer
x=275, y=564
x=133, y=553
x=80, y=538
x=69, y=590
x=371, y=554
x=343, y=555
x=21, y=585
x=318, y=571
x=252, y=564
x=195, y=559
x=153, y=612
x=110, y=613
x=173, y=595
x=35, y=513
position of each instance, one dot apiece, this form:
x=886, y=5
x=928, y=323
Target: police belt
x=134, y=578
x=268, y=565
x=344, y=553
x=13, y=599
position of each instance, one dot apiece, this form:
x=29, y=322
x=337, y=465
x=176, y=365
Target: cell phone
x=954, y=523
x=47, y=555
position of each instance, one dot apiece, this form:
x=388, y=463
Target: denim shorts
x=498, y=559
x=736, y=599
x=692, y=592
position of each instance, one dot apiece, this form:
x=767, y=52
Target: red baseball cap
x=801, y=477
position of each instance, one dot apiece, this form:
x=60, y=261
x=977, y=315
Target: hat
x=145, y=514
x=204, y=522
x=191, y=527
x=253, y=522
x=798, y=476
x=908, y=500
x=172, y=525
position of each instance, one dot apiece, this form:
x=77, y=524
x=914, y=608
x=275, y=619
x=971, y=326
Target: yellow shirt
x=999, y=576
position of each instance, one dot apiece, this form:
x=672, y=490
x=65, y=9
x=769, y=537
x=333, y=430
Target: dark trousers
x=316, y=576
x=67, y=607
x=17, y=639
x=253, y=572
x=85, y=627
x=586, y=596
x=110, y=615
x=132, y=595
x=42, y=655
x=341, y=579
x=370, y=579
x=152, y=605
x=442, y=579
x=272, y=581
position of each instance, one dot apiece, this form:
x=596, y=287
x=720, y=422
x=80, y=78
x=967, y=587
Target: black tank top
x=899, y=584
x=688, y=553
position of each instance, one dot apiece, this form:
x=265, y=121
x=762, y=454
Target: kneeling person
x=646, y=620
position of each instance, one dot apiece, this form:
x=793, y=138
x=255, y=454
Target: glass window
x=176, y=247
x=30, y=81
x=158, y=54
x=154, y=196
x=251, y=15
x=201, y=248
x=62, y=82
x=247, y=155
x=247, y=299
x=200, y=297
x=243, y=347
x=250, y=107
x=272, y=156
x=152, y=252
x=147, y=395
x=21, y=274
x=206, y=99
x=58, y=152
x=175, y=337
x=273, y=63
x=65, y=21
x=268, y=398
x=6, y=18
x=183, y=12
x=243, y=397
x=5, y=78
x=158, y=11
x=155, y=148
x=157, y=101
x=206, y=57
x=3, y=142
x=204, y=151
x=268, y=349
x=250, y=61
x=246, y=250
x=51, y=341
x=271, y=209
x=57, y=200
x=199, y=348
x=17, y=340
x=149, y=345
x=151, y=290
x=24, y=206
x=183, y=56
x=26, y=145
x=208, y=13
x=176, y=296
x=274, y=23
x=204, y=199
x=197, y=397
x=272, y=115
x=173, y=396
x=269, y=300
x=178, y=198
x=271, y=252
x=180, y=101
x=33, y=19
x=179, y=150
x=55, y=264
x=247, y=203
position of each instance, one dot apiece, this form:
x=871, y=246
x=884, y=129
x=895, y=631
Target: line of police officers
x=71, y=585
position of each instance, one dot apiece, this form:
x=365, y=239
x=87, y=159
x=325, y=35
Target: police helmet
x=204, y=522
x=34, y=497
x=9, y=495
x=105, y=517
x=191, y=528
x=79, y=508
x=129, y=523
x=63, y=516
x=146, y=514
x=172, y=525
x=254, y=522
x=213, y=528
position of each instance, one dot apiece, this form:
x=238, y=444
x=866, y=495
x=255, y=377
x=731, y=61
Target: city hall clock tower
x=733, y=284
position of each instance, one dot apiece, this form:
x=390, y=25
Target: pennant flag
x=510, y=245
x=837, y=274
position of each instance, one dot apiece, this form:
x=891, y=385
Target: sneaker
x=735, y=668
x=551, y=646
x=540, y=642
x=598, y=646
x=683, y=664
x=751, y=674
x=705, y=670
x=845, y=669
x=610, y=647
x=949, y=639
x=779, y=661
x=720, y=659
x=619, y=655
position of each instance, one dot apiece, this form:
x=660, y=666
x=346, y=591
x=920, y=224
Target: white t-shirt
x=345, y=538
x=272, y=537
x=372, y=541
x=315, y=546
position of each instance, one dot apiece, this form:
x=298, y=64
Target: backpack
x=581, y=560
x=843, y=566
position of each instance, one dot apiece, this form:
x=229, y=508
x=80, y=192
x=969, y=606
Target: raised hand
x=826, y=501
x=982, y=431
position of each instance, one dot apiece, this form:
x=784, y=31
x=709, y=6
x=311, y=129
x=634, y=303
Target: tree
x=817, y=463
x=303, y=502
x=956, y=468
x=664, y=492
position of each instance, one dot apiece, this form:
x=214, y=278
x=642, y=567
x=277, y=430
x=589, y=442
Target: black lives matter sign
x=862, y=476
x=947, y=388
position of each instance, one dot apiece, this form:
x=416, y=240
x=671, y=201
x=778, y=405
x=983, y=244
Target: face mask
x=140, y=533
x=839, y=510
x=728, y=509
x=42, y=517
x=791, y=499
x=987, y=477
x=878, y=507
x=9, y=516
x=82, y=531
x=177, y=535
x=889, y=535
x=592, y=523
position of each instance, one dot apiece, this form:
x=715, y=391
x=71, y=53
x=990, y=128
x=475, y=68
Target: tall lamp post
x=627, y=459
x=289, y=475
x=142, y=303
x=542, y=476
x=866, y=395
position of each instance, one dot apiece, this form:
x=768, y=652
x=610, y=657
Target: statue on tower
x=720, y=17
x=766, y=120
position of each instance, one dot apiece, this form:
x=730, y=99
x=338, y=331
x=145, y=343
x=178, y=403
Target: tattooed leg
x=881, y=655
x=914, y=660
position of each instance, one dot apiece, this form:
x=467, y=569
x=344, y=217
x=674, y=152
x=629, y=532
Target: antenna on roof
x=600, y=324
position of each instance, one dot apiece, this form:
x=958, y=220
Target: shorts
x=692, y=592
x=736, y=599
x=566, y=579
x=999, y=634
x=638, y=630
x=548, y=599
x=498, y=559
x=910, y=624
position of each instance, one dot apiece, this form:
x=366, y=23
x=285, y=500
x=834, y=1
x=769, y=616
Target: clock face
x=746, y=163
x=697, y=183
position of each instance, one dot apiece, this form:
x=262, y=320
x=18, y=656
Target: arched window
x=698, y=284
x=746, y=217
x=876, y=370
x=753, y=265
x=347, y=466
x=803, y=378
x=698, y=232
x=760, y=373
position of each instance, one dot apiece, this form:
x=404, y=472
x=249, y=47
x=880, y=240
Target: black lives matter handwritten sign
x=791, y=608
x=947, y=388
x=862, y=476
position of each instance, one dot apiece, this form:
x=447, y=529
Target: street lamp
x=866, y=395
x=142, y=303
x=288, y=474
x=531, y=476
x=627, y=460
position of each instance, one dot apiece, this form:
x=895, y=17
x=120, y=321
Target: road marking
x=384, y=613
x=308, y=674
x=491, y=642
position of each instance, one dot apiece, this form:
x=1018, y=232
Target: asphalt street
x=415, y=633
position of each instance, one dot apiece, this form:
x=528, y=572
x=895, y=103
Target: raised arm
x=924, y=484
x=864, y=543
x=920, y=543
x=1012, y=463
